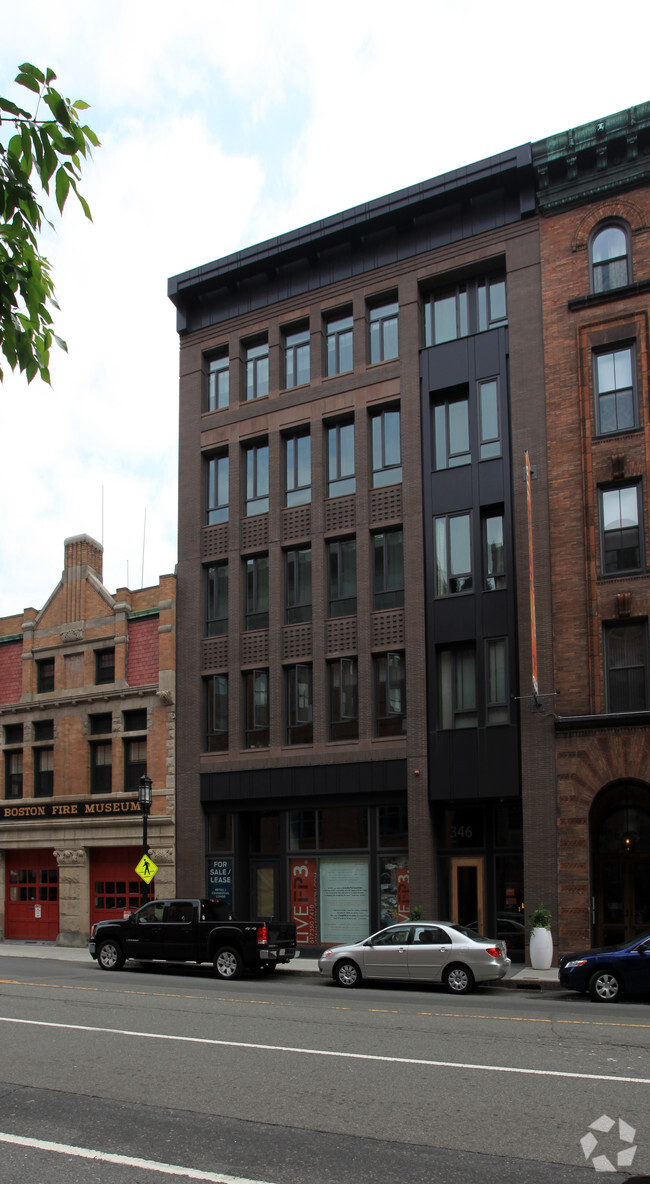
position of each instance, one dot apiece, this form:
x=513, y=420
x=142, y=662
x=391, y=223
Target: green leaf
x=49, y=76
x=62, y=187
x=61, y=343
x=12, y=109
x=28, y=68
x=29, y=82
x=79, y=105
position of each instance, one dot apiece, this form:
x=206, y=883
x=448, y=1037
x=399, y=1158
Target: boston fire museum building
x=87, y=706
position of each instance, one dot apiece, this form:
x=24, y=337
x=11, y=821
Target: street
x=289, y=1079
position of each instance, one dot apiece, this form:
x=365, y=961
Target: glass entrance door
x=468, y=891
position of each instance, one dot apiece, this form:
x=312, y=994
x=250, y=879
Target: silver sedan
x=423, y=951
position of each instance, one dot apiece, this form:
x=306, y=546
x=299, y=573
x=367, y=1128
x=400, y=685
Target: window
x=257, y=370
x=342, y=578
x=451, y=432
x=296, y=357
x=298, y=469
x=256, y=683
x=256, y=500
x=457, y=687
x=615, y=386
x=43, y=772
x=135, y=721
x=610, y=262
x=44, y=730
x=135, y=763
x=256, y=611
x=300, y=707
x=101, y=767
x=494, y=571
x=491, y=304
x=340, y=459
x=344, y=702
x=488, y=406
x=298, y=585
x=216, y=600
x=473, y=306
x=386, y=448
x=218, y=384
x=217, y=713
x=13, y=774
x=13, y=733
x=384, y=332
x=390, y=694
x=104, y=666
x=100, y=724
x=619, y=529
x=44, y=675
x=626, y=657
x=338, y=338
x=453, y=548
x=388, y=569
x=217, y=491
x=497, y=682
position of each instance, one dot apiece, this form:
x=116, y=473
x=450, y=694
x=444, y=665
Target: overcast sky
x=223, y=124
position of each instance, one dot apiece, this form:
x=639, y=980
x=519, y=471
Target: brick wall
x=142, y=661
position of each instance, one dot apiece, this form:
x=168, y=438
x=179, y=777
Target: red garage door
x=32, y=896
x=114, y=887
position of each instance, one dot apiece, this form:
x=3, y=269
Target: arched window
x=610, y=258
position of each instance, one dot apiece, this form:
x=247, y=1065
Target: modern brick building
x=87, y=706
x=370, y=472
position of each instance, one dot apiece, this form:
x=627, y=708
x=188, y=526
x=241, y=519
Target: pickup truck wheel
x=227, y=963
x=110, y=956
x=347, y=974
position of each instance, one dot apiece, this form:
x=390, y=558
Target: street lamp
x=145, y=795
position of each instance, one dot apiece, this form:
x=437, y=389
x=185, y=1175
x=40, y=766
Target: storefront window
x=302, y=830
x=394, y=897
x=464, y=828
x=220, y=832
x=265, y=834
x=343, y=829
x=344, y=900
x=393, y=826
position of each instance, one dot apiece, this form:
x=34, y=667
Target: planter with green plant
x=541, y=940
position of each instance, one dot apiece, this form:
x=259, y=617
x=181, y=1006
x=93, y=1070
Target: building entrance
x=468, y=891
x=32, y=896
x=620, y=843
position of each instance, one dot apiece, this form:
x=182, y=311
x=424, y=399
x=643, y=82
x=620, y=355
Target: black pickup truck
x=193, y=931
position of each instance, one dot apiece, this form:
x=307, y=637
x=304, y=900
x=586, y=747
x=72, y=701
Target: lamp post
x=145, y=796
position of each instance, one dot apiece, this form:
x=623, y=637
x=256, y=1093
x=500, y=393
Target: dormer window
x=610, y=258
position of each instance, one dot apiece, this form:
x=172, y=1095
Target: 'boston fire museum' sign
x=67, y=810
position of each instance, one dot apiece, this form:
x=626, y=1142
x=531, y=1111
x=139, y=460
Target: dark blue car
x=608, y=972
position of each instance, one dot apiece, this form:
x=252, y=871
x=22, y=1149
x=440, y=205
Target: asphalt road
x=290, y=1079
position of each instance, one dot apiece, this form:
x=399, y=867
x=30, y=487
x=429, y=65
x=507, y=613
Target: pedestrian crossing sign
x=146, y=869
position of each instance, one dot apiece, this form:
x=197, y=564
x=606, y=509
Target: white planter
x=541, y=949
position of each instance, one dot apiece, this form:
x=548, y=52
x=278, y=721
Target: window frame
x=256, y=616
x=609, y=630
x=256, y=721
x=299, y=730
x=603, y=493
x=13, y=777
x=455, y=712
x=216, y=737
x=104, y=669
x=217, y=391
x=296, y=341
x=297, y=609
x=386, y=593
x=497, y=706
x=134, y=769
x=443, y=528
x=44, y=776
x=101, y=782
x=256, y=480
x=443, y=430
x=598, y=267
x=44, y=676
x=385, y=471
x=340, y=484
x=342, y=671
x=296, y=494
x=611, y=350
x=381, y=316
x=389, y=670
x=489, y=447
x=497, y=575
x=216, y=599
x=217, y=474
x=339, y=327
x=256, y=369
x=338, y=604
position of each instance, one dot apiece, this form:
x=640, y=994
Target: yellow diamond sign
x=146, y=869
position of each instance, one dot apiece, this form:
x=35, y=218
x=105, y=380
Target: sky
x=222, y=125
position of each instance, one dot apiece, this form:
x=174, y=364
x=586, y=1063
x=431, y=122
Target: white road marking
x=323, y=1052
x=129, y=1161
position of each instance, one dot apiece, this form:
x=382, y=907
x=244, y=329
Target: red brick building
x=594, y=202
x=87, y=705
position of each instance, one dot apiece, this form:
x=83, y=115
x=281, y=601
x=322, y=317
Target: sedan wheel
x=227, y=963
x=347, y=974
x=459, y=980
x=604, y=986
x=110, y=956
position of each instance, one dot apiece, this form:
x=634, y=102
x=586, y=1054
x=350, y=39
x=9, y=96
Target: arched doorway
x=620, y=850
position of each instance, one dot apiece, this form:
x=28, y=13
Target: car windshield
x=625, y=945
x=470, y=933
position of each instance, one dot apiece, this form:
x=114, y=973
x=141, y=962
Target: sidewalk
x=518, y=976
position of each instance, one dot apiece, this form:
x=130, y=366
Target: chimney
x=82, y=552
